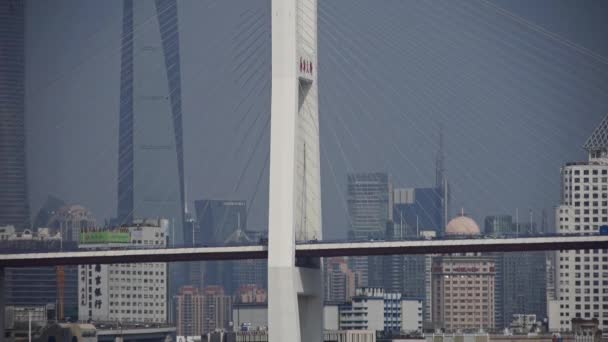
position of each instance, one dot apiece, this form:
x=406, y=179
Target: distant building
x=14, y=205
x=69, y=220
x=369, y=201
x=250, y=271
x=51, y=205
x=189, y=309
x=521, y=284
x=124, y=292
x=249, y=294
x=418, y=209
x=499, y=225
x=218, y=221
x=217, y=309
x=369, y=197
x=582, y=275
x=40, y=286
x=463, y=297
x=340, y=280
x=377, y=310
x=524, y=285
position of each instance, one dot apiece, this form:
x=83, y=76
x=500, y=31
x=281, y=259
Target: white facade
x=376, y=310
x=350, y=335
x=581, y=280
x=411, y=315
x=126, y=292
x=250, y=316
x=331, y=317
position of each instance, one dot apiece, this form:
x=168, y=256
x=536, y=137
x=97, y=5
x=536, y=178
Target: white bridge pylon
x=295, y=303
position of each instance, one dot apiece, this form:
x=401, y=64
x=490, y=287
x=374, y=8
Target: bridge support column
x=295, y=292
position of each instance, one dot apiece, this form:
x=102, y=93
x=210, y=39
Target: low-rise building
x=374, y=309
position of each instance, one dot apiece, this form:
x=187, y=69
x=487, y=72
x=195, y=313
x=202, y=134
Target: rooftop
x=599, y=138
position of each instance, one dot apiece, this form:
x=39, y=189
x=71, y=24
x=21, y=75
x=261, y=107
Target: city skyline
x=285, y=98
x=202, y=159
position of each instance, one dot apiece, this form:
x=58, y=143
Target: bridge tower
x=295, y=303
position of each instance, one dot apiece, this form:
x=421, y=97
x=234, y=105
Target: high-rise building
x=520, y=277
x=340, y=281
x=220, y=222
x=219, y=219
x=14, y=206
x=189, y=309
x=217, y=309
x=582, y=275
x=150, y=149
x=369, y=197
x=463, y=296
x=524, y=286
x=150, y=141
x=442, y=187
x=416, y=210
x=125, y=292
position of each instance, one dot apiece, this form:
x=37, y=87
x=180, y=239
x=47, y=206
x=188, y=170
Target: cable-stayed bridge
x=315, y=249
x=295, y=293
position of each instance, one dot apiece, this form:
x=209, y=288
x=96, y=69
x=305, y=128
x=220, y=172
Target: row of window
x=585, y=172
x=137, y=304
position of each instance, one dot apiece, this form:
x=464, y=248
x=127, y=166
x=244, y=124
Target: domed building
x=462, y=225
x=463, y=278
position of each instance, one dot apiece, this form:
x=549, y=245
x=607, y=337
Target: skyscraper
x=581, y=281
x=14, y=206
x=370, y=207
x=189, y=304
x=218, y=222
x=442, y=187
x=150, y=159
x=369, y=197
x=418, y=209
x=520, y=277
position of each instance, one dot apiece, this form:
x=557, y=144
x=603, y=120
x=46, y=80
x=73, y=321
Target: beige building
x=189, y=312
x=217, y=309
x=340, y=280
x=463, y=297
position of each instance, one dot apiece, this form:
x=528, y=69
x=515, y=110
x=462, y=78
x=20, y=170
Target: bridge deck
x=318, y=249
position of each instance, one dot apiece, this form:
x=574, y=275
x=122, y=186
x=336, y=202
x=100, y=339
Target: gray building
x=221, y=222
x=41, y=286
x=520, y=277
x=150, y=159
x=14, y=207
x=369, y=197
x=524, y=285
x=150, y=148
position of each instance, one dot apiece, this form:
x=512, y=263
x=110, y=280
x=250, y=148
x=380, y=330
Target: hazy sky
x=517, y=88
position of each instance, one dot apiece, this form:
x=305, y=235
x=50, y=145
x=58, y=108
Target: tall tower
x=295, y=286
x=14, y=206
x=441, y=182
x=150, y=160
